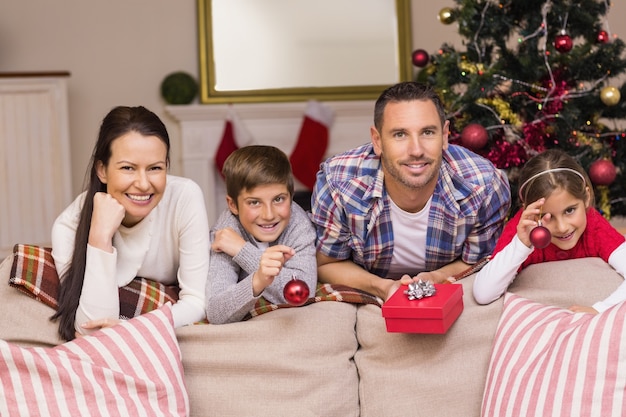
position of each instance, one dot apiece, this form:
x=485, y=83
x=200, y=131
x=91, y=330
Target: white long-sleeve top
x=170, y=245
x=495, y=277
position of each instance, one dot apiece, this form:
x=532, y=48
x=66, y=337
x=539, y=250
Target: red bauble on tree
x=474, y=136
x=563, y=43
x=420, y=58
x=603, y=37
x=602, y=172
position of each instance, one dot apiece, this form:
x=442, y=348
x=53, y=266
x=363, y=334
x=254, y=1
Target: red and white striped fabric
x=131, y=369
x=548, y=361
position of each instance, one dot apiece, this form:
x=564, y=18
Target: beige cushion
x=444, y=375
x=290, y=362
x=24, y=320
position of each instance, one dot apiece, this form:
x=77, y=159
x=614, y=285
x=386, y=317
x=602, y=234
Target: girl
x=133, y=220
x=555, y=192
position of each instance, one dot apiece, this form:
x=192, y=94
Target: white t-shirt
x=409, y=240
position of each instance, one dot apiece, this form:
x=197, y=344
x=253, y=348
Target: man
x=407, y=205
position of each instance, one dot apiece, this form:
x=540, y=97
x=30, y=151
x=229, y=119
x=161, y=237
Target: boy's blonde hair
x=255, y=165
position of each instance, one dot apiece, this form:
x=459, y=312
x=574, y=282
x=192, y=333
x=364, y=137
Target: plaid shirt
x=350, y=209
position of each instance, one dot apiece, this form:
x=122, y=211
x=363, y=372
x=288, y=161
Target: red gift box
x=434, y=314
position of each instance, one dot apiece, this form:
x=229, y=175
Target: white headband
x=546, y=172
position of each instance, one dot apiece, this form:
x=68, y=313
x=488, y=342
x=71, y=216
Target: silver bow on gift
x=420, y=289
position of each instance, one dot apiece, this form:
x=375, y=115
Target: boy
x=262, y=240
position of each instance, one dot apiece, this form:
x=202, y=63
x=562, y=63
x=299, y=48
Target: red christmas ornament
x=474, y=136
x=540, y=237
x=296, y=292
x=602, y=172
x=603, y=37
x=563, y=43
x=420, y=58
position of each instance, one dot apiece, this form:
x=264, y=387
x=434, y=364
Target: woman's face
x=136, y=174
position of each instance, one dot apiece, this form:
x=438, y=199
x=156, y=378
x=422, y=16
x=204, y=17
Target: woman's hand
x=100, y=324
x=529, y=221
x=106, y=218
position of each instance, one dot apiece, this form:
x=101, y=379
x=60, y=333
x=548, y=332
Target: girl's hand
x=107, y=217
x=583, y=309
x=228, y=241
x=270, y=265
x=528, y=221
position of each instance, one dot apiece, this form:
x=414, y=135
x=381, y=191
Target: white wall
x=119, y=51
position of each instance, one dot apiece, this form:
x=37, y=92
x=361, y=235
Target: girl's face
x=136, y=174
x=263, y=211
x=568, y=218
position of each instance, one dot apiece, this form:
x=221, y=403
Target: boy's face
x=263, y=211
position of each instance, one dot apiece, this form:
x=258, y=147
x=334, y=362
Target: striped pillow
x=549, y=361
x=131, y=369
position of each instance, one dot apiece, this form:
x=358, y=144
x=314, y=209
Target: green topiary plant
x=179, y=88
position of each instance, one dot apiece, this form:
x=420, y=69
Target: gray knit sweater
x=229, y=286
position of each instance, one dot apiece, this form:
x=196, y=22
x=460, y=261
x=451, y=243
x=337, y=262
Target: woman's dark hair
x=407, y=91
x=118, y=122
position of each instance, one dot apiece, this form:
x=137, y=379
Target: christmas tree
x=534, y=75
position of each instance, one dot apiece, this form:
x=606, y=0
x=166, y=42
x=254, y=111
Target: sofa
x=335, y=358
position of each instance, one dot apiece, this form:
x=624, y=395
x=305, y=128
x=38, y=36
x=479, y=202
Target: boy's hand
x=227, y=241
x=271, y=263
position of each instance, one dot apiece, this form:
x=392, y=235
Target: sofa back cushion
x=444, y=375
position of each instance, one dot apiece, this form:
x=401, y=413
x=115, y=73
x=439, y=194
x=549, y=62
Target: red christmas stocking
x=234, y=136
x=312, y=142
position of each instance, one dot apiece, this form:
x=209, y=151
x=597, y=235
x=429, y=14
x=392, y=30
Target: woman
x=133, y=220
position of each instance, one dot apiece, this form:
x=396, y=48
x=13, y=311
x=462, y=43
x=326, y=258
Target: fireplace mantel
x=275, y=124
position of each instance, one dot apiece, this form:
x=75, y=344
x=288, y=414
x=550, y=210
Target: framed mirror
x=295, y=50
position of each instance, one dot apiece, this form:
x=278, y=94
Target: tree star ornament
x=610, y=96
x=296, y=292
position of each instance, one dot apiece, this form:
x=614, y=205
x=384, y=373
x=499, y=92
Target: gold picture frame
x=208, y=43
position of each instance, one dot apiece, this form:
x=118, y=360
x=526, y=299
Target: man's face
x=410, y=145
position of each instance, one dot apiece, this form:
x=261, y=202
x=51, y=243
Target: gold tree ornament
x=610, y=96
x=446, y=16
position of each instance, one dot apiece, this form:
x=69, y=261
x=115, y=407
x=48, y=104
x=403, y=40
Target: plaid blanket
x=323, y=292
x=33, y=273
